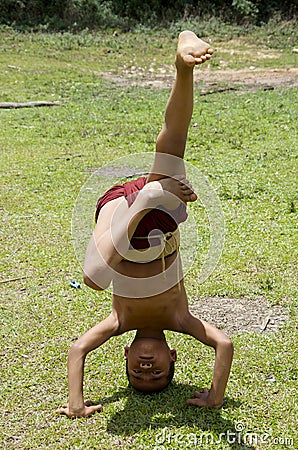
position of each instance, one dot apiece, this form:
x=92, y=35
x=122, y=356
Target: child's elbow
x=228, y=345
x=77, y=352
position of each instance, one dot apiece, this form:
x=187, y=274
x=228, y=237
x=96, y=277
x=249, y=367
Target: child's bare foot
x=170, y=192
x=191, y=50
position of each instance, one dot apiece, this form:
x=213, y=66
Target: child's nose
x=145, y=365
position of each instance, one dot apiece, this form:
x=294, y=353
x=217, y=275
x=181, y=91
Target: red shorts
x=156, y=219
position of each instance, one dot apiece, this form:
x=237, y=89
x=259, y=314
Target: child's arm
x=111, y=238
x=211, y=336
x=95, y=337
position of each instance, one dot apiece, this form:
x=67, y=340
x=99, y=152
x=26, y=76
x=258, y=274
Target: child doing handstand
x=135, y=245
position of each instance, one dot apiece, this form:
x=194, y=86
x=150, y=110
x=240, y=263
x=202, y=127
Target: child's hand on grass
x=204, y=399
x=86, y=411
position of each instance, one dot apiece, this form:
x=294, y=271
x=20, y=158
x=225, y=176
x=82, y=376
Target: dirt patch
x=252, y=77
x=236, y=316
x=209, y=80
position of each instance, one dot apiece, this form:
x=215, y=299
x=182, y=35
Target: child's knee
x=91, y=283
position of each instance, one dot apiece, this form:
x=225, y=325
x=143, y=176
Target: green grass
x=245, y=144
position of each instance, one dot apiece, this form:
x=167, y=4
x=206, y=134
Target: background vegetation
x=78, y=14
x=245, y=142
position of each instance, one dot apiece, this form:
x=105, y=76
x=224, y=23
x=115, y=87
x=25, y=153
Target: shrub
x=79, y=14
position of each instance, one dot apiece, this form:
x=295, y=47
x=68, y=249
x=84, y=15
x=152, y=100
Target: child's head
x=149, y=364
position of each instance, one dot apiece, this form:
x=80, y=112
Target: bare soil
x=210, y=80
x=236, y=316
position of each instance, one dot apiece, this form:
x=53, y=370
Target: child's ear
x=173, y=355
x=126, y=349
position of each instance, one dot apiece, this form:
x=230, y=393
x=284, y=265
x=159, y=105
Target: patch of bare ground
x=251, y=78
x=236, y=316
x=209, y=80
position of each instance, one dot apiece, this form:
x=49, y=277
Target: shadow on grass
x=165, y=412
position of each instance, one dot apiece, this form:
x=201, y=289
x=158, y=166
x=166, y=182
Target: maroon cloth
x=160, y=219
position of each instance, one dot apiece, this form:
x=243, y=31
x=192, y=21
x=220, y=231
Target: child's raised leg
x=171, y=141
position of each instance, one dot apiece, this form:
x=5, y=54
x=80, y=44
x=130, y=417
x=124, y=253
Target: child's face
x=148, y=361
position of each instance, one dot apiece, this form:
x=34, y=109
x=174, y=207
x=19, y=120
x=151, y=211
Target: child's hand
x=204, y=399
x=86, y=411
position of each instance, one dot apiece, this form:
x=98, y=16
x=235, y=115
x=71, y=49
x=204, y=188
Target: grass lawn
x=244, y=141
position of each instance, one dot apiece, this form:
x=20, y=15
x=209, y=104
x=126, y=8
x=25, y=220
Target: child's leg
x=171, y=141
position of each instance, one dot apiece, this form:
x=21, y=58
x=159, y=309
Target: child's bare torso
x=166, y=303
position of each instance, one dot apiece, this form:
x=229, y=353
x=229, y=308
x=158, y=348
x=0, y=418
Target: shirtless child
x=148, y=292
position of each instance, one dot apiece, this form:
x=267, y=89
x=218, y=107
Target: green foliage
x=58, y=14
x=245, y=7
x=78, y=14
